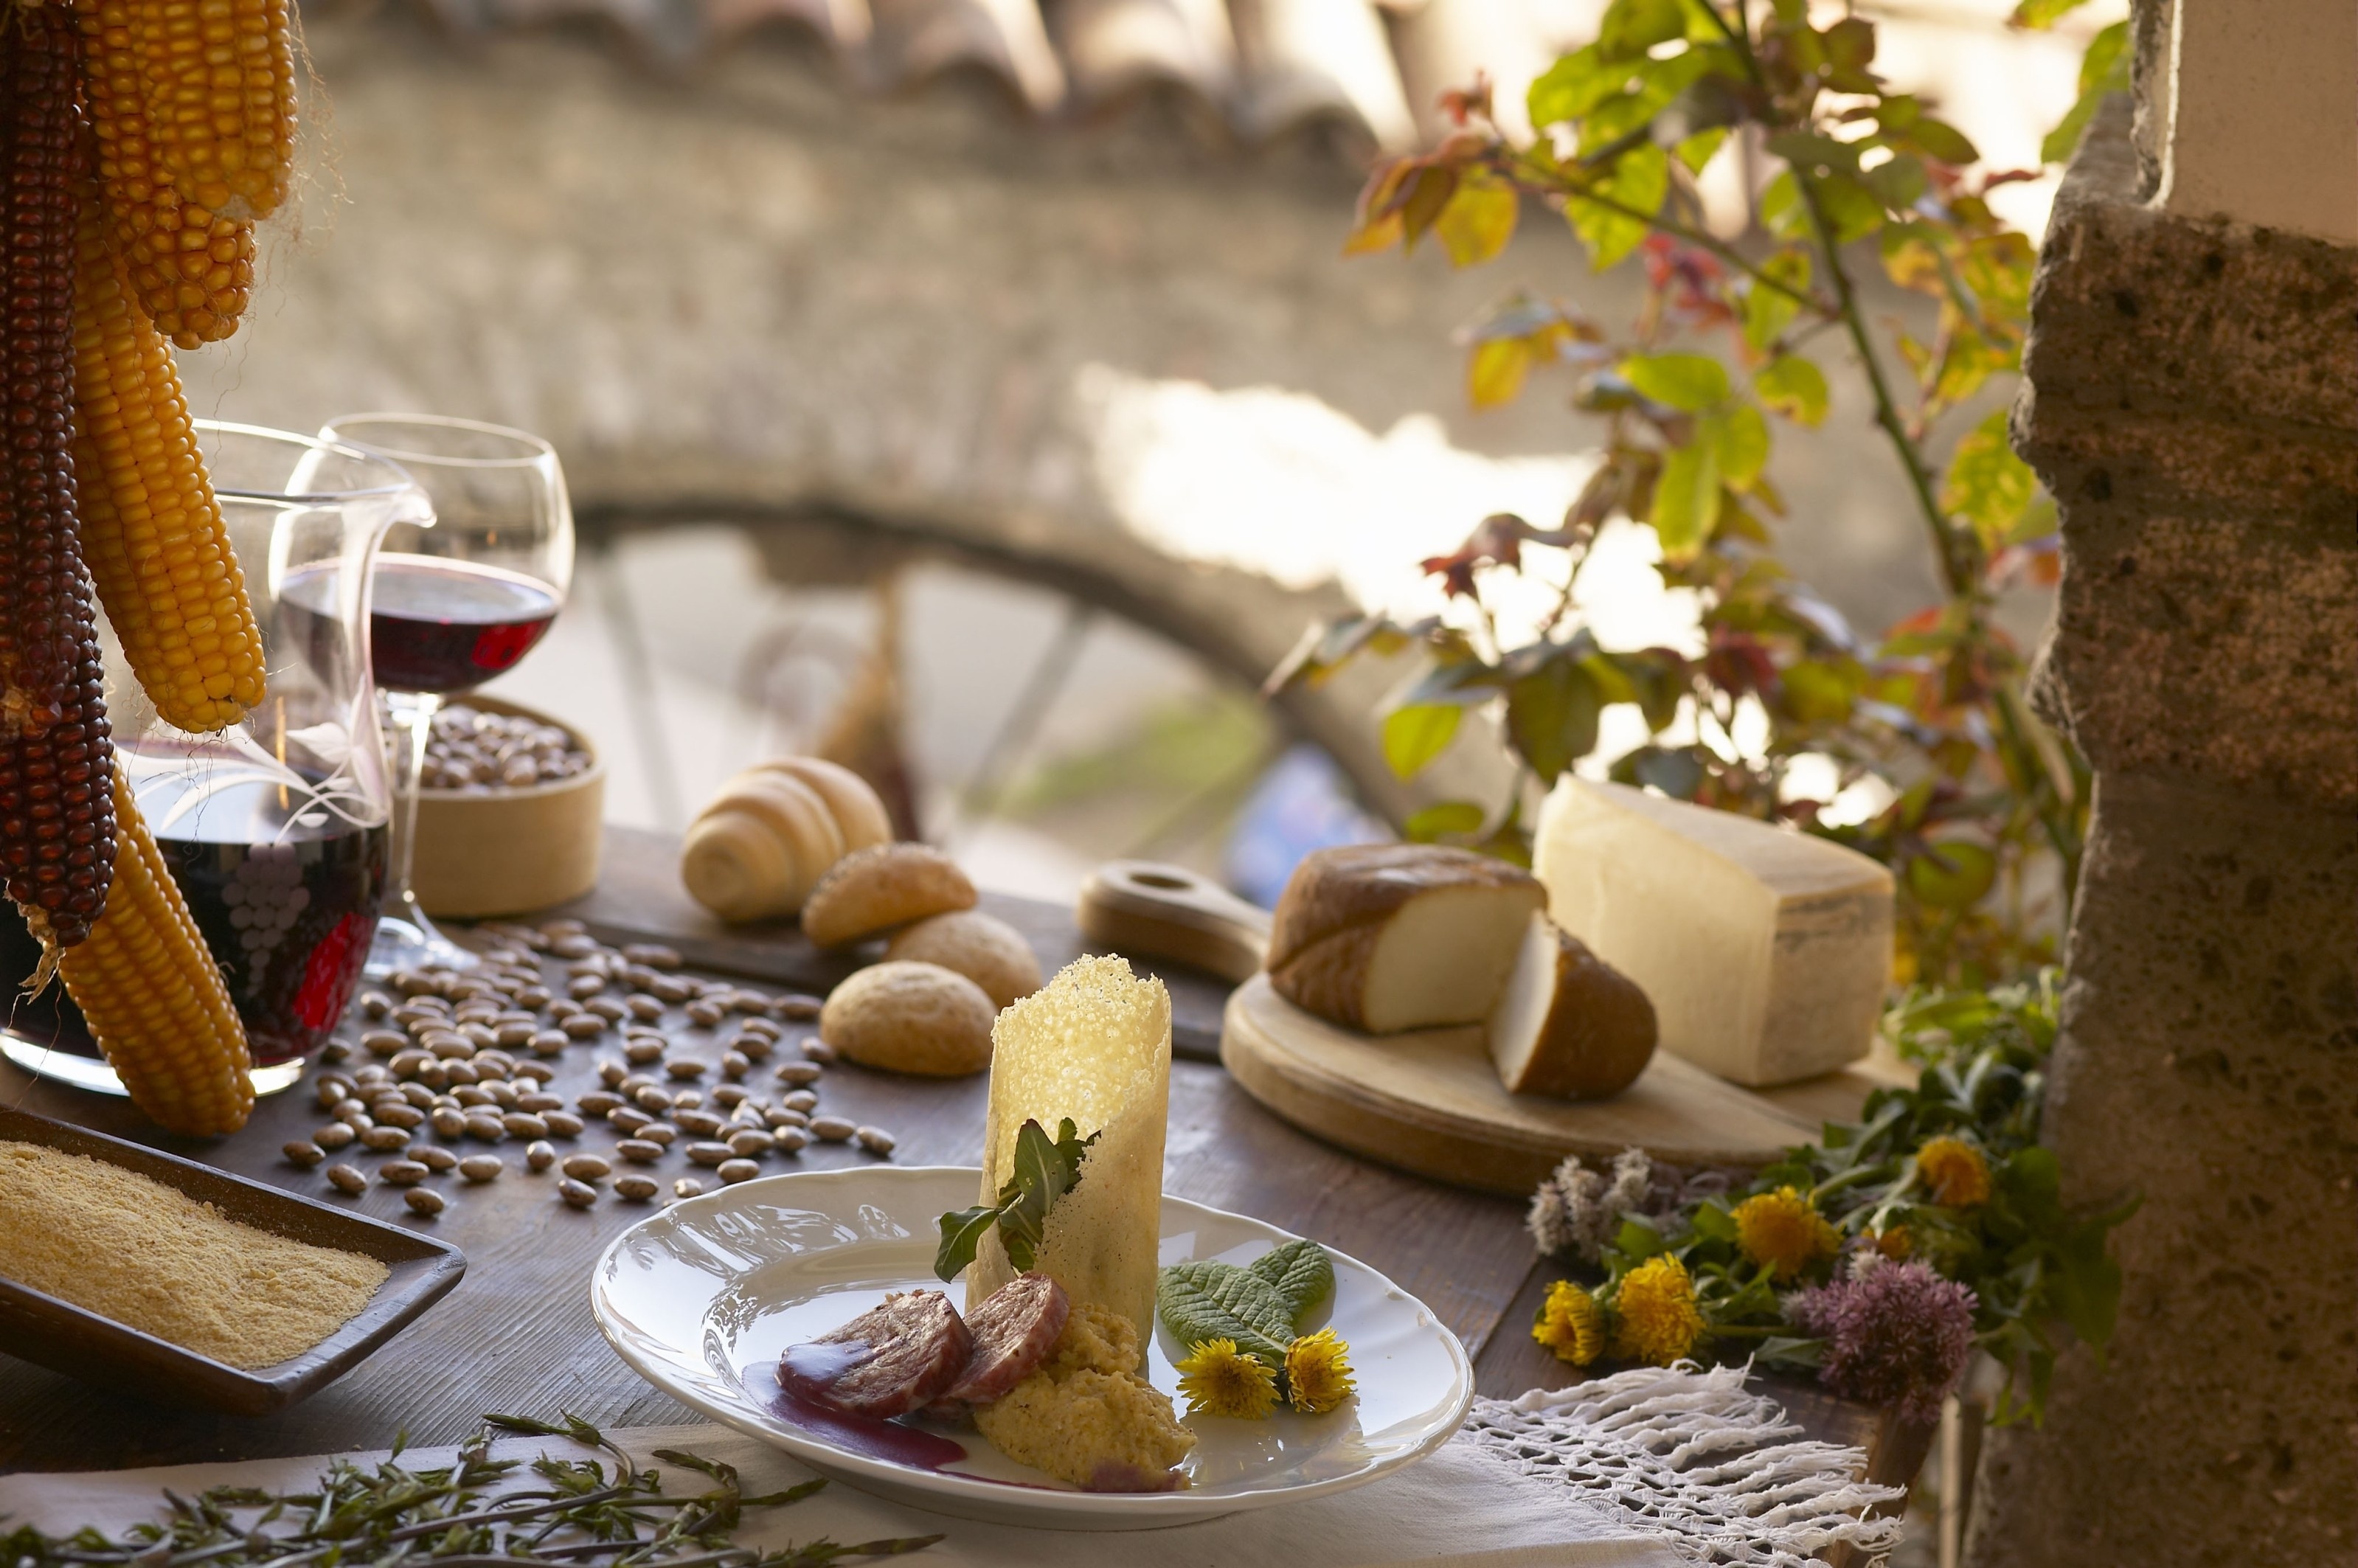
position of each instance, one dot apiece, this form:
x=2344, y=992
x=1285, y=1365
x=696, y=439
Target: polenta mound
x=1087, y=1417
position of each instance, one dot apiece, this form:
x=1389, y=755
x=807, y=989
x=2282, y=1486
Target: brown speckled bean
x=779, y=1116
x=702, y=1123
x=348, y=1178
x=577, y=1195
x=523, y=1124
x=791, y=1140
x=653, y=1098
x=735, y=1064
x=734, y=1171
x=875, y=1140
x=449, y=1121
x=687, y=1187
x=800, y=1074
x=729, y=1097
x=661, y=1132
x=627, y=1118
x=612, y=1073
x=302, y=1152
x=638, y=1189
x=385, y=1138
x=403, y=1173
x=818, y=1050
x=750, y=1144
x=801, y=1099
x=639, y=1151
x=539, y=1154
x=482, y=1167
x=584, y=1026
x=685, y=1067
x=423, y=1201
x=586, y=1168
x=562, y=1123
x=434, y=1158
x=644, y=1052
x=709, y=1153
x=484, y=1126
x=796, y=1008
x=833, y=1129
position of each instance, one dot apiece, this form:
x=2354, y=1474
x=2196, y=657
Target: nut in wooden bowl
x=488, y=847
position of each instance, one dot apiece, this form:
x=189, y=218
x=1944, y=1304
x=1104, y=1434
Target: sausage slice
x=887, y=1361
x=1013, y=1332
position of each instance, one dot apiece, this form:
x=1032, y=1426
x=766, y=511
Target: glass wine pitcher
x=275, y=829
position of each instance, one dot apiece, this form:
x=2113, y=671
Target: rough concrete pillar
x=2191, y=399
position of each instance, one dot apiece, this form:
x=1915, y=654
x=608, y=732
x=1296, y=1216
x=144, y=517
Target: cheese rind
x=1093, y=1044
x=1568, y=1024
x=1765, y=952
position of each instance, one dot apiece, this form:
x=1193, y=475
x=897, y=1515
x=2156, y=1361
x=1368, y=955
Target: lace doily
x=1698, y=1456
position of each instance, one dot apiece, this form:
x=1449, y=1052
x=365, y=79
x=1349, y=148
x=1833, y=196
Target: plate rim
x=1191, y=1504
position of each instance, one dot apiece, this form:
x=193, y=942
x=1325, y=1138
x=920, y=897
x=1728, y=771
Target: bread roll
x=1384, y=937
x=876, y=890
x=982, y=947
x=910, y=1018
x=761, y=845
x=1568, y=1023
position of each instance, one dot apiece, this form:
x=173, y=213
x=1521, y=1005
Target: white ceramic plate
x=701, y=1298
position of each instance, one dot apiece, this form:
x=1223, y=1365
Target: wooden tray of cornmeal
x=1429, y=1102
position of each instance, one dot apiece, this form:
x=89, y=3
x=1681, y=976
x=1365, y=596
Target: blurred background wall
x=984, y=383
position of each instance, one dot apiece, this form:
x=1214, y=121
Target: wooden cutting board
x=1429, y=1102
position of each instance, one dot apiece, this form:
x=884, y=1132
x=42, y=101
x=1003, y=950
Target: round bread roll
x=760, y=846
x=858, y=813
x=868, y=893
x=982, y=947
x=910, y=1018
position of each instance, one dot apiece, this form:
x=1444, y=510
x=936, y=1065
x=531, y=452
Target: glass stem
x=413, y=715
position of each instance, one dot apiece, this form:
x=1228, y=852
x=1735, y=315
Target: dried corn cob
x=150, y=527
x=190, y=268
x=153, y=999
x=222, y=74
x=57, y=832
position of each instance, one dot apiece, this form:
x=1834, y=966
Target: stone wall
x=2193, y=405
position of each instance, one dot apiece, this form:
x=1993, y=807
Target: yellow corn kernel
x=151, y=530
x=154, y=1000
x=222, y=73
x=189, y=265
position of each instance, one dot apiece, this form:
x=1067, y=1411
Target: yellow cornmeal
x=1086, y=1416
x=117, y=1244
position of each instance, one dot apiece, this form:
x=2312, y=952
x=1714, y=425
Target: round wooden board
x=1428, y=1101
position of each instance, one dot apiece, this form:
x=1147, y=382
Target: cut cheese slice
x=1765, y=953
x=1093, y=1044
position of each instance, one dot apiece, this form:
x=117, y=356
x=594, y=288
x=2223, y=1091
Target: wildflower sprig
x=1942, y=1179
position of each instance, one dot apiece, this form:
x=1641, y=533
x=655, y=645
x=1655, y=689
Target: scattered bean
x=403, y=1173
x=688, y=1098
x=304, y=1152
x=702, y=1123
x=818, y=1050
x=750, y=1144
x=586, y=1168
x=516, y=1037
x=653, y=955
x=539, y=1154
x=875, y=1140
x=495, y=1063
x=672, y=988
x=417, y=1095
x=523, y=1124
x=385, y=1138
x=729, y=1097
x=734, y=1171
x=353, y=1114
x=598, y=1102
x=638, y=1189
x=484, y=1126
x=574, y=944
x=687, y=1187
x=474, y=1097
x=534, y=997
x=384, y=1041
x=577, y=1195
x=654, y=1099
x=400, y=1113
x=609, y=1008
x=332, y=1092
x=761, y=1029
x=641, y=1052
x=801, y=1099
x=584, y=1026
x=423, y=1201
x=375, y=1004
x=709, y=1153
x=482, y=1167
x=639, y=1151
x=562, y=1123
x=646, y=1009
x=833, y=1129
x=799, y=1072
x=348, y=1178
x=683, y=1067
x=533, y=1073
x=734, y=1064
x=796, y=1008
x=628, y=1119
x=611, y=1074
x=661, y=1132
x=704, y=1013
x=459, y=1072
x=448, y=1121
x=791, y=1140
x=753, y=1047
x=778, y=1116
x=434, y=1158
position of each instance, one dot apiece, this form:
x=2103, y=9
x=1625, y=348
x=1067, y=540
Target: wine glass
x=453, y=605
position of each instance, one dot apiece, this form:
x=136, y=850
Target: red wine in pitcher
x=285, y=895
x=435, y=624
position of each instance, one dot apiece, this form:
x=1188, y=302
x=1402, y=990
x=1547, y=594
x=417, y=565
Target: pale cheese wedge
x=1093, y=1044
x=1765, y=952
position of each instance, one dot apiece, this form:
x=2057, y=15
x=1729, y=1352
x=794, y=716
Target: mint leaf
x=1204, y=1300
x=1302, y=1275
x=1045, y=1170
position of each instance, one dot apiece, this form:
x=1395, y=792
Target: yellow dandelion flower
x=1781, y=1230
x=1655, y=1313
x=1318, y=1372
x=1220, y=1379
x=1570, y=1323
x=1895, y=1242
x=1956, y=1171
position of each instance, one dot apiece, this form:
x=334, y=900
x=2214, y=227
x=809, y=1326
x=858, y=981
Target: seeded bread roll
x=910, y=1018
x=1568, y=1023
x=982, y=947
x=1384, y=937
x=876, y=890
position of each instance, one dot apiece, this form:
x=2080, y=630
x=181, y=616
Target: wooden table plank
x=517, y=1336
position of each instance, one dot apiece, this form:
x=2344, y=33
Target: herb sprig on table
x=1045, y=1170
x=383, y=1514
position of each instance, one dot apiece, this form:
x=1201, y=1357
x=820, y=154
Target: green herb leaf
x=1302, y=1273
x=1204, y=1300
x=1417, y=733
x=1688, y=381
x=1045, y=1170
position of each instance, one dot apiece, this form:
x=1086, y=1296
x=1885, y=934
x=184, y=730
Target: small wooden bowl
x=82, y=1344
x=505, y=851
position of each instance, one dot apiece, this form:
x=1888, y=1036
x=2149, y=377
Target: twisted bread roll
x=759, y=845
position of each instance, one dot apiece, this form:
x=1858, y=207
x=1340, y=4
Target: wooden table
x=516, y=1335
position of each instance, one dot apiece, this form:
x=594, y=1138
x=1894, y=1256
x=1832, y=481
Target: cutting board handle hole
x=1164, y=880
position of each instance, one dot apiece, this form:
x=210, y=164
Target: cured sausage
x=888, y=1361
x=1013, y=1332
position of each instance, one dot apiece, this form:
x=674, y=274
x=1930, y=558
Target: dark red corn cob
x=57, y=813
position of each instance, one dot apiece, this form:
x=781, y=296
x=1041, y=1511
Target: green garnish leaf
x=1045, y=1170
x=1302, y=1273
x=1204, y=1300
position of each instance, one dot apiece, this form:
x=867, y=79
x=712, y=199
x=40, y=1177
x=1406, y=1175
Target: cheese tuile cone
x=1094, y=1045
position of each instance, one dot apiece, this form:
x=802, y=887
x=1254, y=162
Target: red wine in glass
x=435, y=624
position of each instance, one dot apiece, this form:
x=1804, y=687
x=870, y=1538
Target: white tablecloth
x=1462, y=1507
